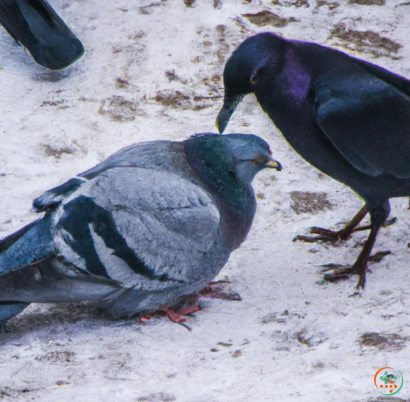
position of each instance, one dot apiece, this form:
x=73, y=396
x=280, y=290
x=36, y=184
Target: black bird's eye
x=254, y=79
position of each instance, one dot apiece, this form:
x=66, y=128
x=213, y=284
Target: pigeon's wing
x=51, y=199
x=140, y=227
x=150, y=154
x=28, y=274
x=137, y=155
x=162, y=155
x=367, y=120
x=35, y=25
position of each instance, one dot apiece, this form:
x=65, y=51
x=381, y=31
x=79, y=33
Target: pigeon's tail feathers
x=9, y=310
x=43, y=283
x=28, y=246
x=131, y=302
x=127, y=303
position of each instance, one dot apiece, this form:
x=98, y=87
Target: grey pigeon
x=146, y=228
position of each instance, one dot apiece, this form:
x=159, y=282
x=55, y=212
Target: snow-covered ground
x=152, y=70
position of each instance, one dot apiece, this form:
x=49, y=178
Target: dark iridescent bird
x=35, y=25
x=347, y=117
x=149, y=226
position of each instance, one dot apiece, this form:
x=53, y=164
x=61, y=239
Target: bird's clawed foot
x=359, y=268
x=331, y=236
x=334, y=272
x=174, y=316
x=217, y=290
x=325, y=235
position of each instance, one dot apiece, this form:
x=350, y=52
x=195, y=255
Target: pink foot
x=176, y=316
x=173, y=315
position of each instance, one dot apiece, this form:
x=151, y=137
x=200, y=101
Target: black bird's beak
x=230, y=103
x=273, y=165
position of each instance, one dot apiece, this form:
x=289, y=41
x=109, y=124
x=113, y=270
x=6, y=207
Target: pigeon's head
x=244, y=70
x=249, y=155
x=219, y=159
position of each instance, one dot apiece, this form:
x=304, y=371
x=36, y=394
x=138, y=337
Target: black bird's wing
x=367, y=119
x=401, y=83
x=35, y=25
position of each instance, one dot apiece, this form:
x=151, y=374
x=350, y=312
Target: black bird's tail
x=35, y=25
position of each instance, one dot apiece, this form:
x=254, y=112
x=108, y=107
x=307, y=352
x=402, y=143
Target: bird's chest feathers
x=237, y=203
x=295, y=79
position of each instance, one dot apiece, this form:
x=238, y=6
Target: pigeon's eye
x=259, y=160
x=254, y=79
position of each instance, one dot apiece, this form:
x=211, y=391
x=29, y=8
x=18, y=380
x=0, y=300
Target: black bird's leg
x=360, y=266
x=333, y=236
x=378, y=217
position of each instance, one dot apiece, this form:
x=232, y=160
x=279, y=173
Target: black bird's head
x=244, y=70
x=219, y=159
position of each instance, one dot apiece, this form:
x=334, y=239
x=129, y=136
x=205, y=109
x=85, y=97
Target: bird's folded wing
x=140, y=227
x=138, y=155
x=144, y=154
x=52, y=198
x=396, y=80
x=157, y=154
x=367, y=120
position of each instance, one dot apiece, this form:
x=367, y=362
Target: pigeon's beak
x=226, y=112
x=273, y=164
